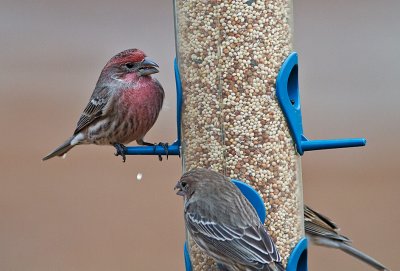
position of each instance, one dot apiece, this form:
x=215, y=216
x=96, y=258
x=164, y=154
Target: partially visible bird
x=322, y=231
x=123, y=107
x=224, y=224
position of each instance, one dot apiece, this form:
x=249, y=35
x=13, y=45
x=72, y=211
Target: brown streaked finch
x=321, y=231
x=123, y=107
x=224, y=224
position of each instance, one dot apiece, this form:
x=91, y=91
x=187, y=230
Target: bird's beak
x=180, y=191
x=147, y=67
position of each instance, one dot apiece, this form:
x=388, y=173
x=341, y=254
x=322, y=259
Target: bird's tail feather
x=61, y=150
x=362, y=256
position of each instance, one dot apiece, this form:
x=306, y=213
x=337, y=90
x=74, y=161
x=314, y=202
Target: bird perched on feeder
x=322, y=231
x=123, y=107
x=224, y=224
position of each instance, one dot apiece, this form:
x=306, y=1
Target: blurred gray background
x=88, y=212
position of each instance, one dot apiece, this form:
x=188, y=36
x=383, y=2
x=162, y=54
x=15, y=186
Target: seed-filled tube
x=229, y=54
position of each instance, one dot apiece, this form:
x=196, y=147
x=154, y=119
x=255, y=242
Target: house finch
x=322, y=231
x=123, y=107
x=224, y=224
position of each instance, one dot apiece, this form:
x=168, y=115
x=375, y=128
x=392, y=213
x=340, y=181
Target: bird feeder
x=241, y=111
x=238, y=112
x=229, y=55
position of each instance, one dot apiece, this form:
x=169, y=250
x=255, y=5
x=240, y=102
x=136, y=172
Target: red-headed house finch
x=322, y=231
x=224, y=224
x=123, y=107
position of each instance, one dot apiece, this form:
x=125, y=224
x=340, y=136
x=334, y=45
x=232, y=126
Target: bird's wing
x=308, y=212
x=248, y=245
x=323, y=232
x=94, y=109
x=318, y=225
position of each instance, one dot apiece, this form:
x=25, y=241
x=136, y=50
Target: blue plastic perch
x=311, y=145
x=287, y=92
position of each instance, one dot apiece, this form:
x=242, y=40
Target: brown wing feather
x=312, y=214
x=94, y=109
x=249, y=245
x=317, y=224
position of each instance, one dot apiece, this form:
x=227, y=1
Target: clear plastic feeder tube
x=229, y=54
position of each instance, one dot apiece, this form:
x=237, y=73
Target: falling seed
x=139, y=176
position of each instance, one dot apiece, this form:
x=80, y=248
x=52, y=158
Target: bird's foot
x=121, y=150
x=165, y=146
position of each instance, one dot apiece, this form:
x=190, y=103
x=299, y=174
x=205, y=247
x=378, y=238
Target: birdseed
x=229, y=54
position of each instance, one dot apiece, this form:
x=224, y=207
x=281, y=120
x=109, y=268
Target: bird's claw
x=121, y=150
x=165, y=146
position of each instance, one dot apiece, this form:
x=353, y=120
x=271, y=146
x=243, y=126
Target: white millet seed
x=230, y=53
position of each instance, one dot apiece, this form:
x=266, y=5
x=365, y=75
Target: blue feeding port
x=253, y=197
x=287, y=92
x=297, y=259
x=174, y=148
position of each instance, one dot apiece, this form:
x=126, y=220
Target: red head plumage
x=130, y=55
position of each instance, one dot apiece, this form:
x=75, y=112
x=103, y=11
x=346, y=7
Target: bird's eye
x=183, y=184
x=129, y=65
